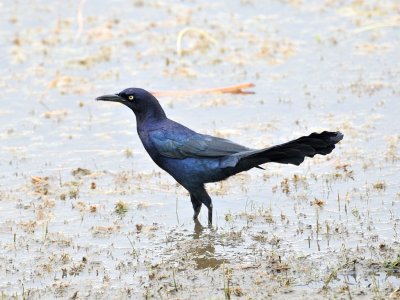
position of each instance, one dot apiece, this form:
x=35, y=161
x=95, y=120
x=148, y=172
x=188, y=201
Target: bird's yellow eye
x=131, y=97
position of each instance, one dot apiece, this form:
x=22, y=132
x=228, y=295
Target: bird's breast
x=148, y=145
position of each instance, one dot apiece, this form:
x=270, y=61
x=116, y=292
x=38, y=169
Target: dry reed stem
x=80, y=20
x=186, y=30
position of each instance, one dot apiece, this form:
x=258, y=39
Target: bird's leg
x=210, y=212
x=196, y=206
x=201, y=194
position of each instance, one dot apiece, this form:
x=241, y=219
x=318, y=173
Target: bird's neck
x=150, y=116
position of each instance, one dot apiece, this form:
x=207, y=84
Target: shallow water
x=122, y=227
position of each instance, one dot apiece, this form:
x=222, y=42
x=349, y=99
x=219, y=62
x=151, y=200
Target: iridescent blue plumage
x=194, y=159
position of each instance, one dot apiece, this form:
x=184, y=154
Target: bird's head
x=140, y=101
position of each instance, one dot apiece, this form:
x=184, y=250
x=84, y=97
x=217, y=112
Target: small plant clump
x=121, y=208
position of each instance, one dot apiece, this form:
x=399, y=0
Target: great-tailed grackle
x=194, y=159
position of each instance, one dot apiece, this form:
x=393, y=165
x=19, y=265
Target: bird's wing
x=176, y=145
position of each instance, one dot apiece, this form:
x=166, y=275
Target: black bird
x=194, y=159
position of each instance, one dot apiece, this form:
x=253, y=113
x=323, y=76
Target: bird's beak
x=113, y=98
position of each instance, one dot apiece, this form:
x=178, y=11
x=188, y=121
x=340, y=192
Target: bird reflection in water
x=203, y=249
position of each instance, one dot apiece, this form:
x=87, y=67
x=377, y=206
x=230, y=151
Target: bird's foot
x=198, y=228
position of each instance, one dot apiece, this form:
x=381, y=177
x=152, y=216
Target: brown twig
x=233, y=89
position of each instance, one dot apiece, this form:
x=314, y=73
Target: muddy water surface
x=84, y=212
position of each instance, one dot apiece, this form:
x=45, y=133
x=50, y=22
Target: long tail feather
x=293, y=152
